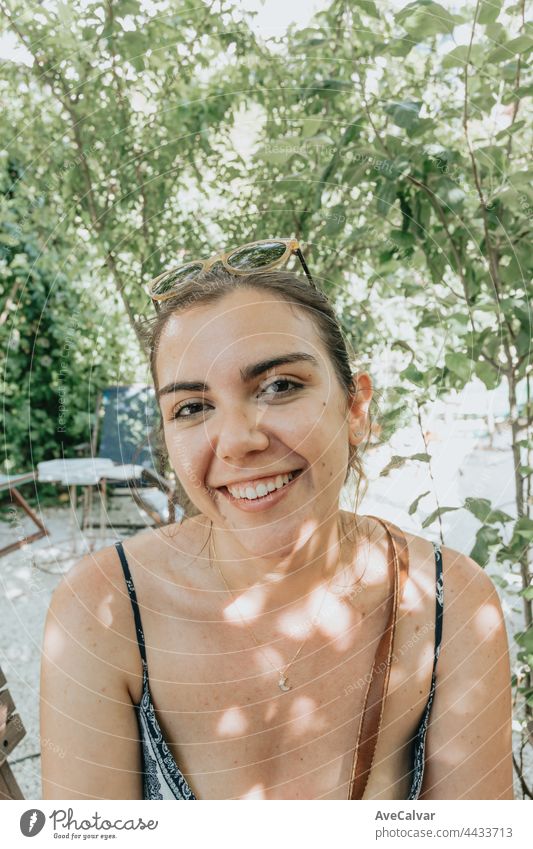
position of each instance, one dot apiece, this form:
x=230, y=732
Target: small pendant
x=282, y=683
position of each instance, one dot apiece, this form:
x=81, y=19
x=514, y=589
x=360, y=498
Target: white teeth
x=262, y=488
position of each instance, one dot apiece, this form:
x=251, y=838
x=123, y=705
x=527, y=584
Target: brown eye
x=284, y=380
x=177, y=412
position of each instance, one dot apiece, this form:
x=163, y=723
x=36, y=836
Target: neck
x=280, y=582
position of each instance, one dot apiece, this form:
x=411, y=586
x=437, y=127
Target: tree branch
x=493, y=264
x=516, y=83
x=63, y=96
x=436, y=206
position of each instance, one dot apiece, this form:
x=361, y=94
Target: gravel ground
x=461, y=466
x=28, y=578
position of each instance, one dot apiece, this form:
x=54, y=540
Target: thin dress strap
x=135, y=606
x=419, y=742
x=374, y=702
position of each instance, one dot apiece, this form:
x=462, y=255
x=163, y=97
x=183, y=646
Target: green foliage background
x=393, y=140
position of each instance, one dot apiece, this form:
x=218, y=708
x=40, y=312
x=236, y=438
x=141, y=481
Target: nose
x=238, y=434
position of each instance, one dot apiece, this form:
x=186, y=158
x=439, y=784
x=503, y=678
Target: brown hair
x=211, y=287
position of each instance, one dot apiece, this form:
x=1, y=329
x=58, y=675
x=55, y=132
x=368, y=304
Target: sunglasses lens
x=175, y=278
x=256, y=256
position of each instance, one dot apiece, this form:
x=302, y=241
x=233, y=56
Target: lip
x=257, y=505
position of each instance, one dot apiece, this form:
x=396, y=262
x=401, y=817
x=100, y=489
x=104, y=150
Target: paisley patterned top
x=163, y=779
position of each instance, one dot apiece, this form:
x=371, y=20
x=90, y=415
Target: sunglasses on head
x=254, y=256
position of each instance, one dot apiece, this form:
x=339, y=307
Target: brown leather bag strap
x=374, y=701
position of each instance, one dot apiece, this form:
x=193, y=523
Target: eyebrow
x=248, y=373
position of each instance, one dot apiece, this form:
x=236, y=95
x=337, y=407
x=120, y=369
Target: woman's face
x=232, y=416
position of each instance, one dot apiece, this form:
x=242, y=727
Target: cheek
x=184, y=454
x=319, y=434
x=329, y=424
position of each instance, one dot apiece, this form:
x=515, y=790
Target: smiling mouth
x=268, y=497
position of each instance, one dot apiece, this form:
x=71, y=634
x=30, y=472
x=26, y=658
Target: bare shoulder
x=474, y=624
x=98, y=577
x=89, y=637
x=469, y=740
x=420, y=556
x=90, y=666
x=466, y=583
x=93, y=586
x=89, y=619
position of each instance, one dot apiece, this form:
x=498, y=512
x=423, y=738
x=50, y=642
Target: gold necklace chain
x=283, y=684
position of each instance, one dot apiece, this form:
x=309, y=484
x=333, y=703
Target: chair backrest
x=11, y=732
x=129, y=422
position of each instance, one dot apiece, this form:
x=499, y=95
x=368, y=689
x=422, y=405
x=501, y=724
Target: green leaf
x=490, y=377
x=413, y=507
x=19, y=261
x=521, y=44
x=279, y=152
x=524, y=528
x=459, y=364
x=405, y=113
x=457, y=57
x=397, y=460
x=335, y=84
x=413, y=374
x=482, y=509
x=401, y=239
x=527, y=593
x=401, y=46
x=402, y=345
x=311, y=126
x=508, y=131
x=423, y=18
x=485, y=538
x=335, y=220
x=7, y=239
x=436, y=513
x=525, y=639
x=394, y=463
x=385, y=197
x=499, y=581
x=524, y=90
x=368, y=6
x=489, y=11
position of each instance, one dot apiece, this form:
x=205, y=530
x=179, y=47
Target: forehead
x=243, y=326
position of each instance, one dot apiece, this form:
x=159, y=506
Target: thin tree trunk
x=520, y=509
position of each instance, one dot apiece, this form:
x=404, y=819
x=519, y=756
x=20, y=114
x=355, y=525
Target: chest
x=235, y=735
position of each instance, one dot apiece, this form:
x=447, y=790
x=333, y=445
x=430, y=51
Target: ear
x=359, y=406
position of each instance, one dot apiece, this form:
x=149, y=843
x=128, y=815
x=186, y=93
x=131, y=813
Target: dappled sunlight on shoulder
x=486, y=620
x=104, y=611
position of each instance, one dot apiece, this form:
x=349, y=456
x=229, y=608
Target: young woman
x=271, y=645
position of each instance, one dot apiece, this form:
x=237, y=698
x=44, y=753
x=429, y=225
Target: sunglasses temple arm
x=305, y=268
